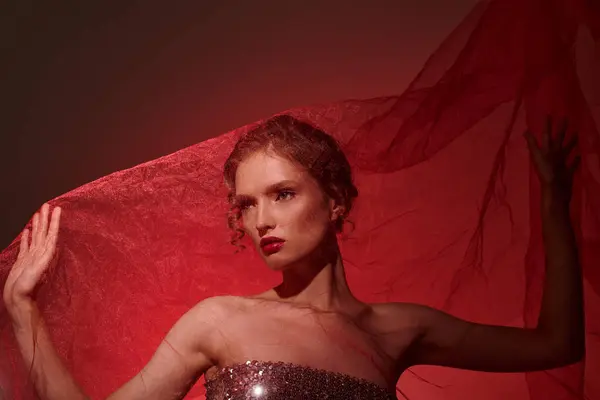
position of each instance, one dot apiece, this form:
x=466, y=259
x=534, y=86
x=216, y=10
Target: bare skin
x=372, y=341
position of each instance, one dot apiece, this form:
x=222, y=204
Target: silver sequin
x=263, y=380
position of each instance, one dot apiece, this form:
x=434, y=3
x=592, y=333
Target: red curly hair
x=303, y=144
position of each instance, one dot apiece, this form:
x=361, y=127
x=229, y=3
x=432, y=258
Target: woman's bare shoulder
x=219, y=307
x=397, y=316
x=396, y=309
x=396, y=326
x=200, y=325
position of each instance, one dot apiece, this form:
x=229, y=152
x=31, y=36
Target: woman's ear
x=336, y=210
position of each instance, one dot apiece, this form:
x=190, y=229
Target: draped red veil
x=447, y=214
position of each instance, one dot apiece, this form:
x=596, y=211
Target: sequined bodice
x=284, y=381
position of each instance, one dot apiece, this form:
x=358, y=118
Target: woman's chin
x=275, y=264
x=276, y=261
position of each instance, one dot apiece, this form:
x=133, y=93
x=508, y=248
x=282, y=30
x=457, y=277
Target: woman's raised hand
x=36, y=251
x=555, y=161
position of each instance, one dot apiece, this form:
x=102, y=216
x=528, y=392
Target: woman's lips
x=271, y=244
x=272, y=248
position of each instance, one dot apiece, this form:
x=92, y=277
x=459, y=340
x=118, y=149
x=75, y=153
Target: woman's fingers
x=48, y=246
x=536, y=153
x=46, y=242
x=43, y=233
x=34, y=229
x=24, y=245
x=553, y=139
x=43, y=224
x=54, y=227
x=34, y=258
x=560, y=137
x=39, y=227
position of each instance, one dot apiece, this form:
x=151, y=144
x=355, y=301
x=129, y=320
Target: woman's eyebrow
x=280, y=185
x=286, y=183
x=242, y=198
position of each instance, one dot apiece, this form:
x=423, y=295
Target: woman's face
x=284, y=210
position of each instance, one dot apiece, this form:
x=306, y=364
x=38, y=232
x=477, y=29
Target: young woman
x=291, y=190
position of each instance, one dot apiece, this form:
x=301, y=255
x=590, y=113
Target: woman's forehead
x=263, y=170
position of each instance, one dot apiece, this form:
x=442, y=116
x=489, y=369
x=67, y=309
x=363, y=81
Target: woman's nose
x=264, y=219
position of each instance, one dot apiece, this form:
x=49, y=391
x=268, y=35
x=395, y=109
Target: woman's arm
x=47, y=372
x=559, y=337
x=562, y=312
x=188, y=350
x=181, y=358
x=185, y=353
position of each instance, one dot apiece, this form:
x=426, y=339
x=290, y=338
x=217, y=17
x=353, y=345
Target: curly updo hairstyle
x=306, y=146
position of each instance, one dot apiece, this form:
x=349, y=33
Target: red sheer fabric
x=447, y=215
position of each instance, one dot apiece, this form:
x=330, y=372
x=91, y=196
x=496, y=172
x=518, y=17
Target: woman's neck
x=321, y=285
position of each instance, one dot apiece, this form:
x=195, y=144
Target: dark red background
x=89, y=88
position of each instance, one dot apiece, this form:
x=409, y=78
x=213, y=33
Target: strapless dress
x=285, y=381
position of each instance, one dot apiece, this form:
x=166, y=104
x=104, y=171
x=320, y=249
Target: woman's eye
x=285, y=195
x=243, y=206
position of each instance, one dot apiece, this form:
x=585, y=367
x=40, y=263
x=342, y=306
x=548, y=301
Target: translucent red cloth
x=447, y=214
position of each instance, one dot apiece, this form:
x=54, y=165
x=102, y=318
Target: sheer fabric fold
x=448, y=212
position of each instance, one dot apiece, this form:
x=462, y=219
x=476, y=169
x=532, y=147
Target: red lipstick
x=271, y=244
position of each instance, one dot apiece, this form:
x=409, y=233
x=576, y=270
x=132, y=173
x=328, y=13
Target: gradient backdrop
x=91, y=89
